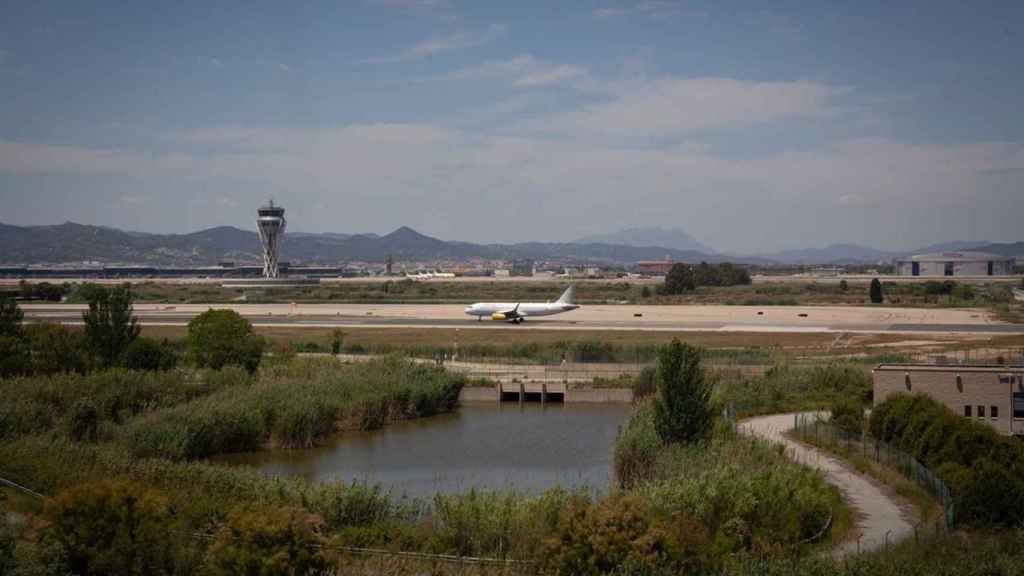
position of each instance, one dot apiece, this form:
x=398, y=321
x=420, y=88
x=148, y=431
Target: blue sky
x=753, y=127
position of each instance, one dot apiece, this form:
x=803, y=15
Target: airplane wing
x=513, y=313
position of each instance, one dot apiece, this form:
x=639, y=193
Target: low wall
x=600, y=395
x=573, y=395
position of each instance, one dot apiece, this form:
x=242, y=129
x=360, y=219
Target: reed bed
x=294, y=405
x=36, y=404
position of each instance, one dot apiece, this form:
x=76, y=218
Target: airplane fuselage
x=501, y=310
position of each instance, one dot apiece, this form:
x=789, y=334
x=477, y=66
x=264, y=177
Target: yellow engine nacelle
x=497, y=316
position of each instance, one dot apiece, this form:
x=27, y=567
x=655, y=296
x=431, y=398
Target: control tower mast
x=270, y=222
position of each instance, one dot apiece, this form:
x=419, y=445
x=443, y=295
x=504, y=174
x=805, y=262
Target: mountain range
x=661, y=237
x=71, y=242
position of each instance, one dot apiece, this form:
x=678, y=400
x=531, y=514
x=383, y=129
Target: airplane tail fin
x=569, y=296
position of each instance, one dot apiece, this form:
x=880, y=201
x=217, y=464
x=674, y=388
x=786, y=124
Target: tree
x=110, y=326
x=10, y=318
x=645, y=292
x=150, y=355
x=876, y=291
x=680, y=278
x=843, y=286
x=15, y=358
x=56, y=349
x=682, y=410
x=337, y=339
x=218, y=338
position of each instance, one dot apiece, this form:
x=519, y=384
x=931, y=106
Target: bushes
x=268, y=541
x=985, y=470
x=788, y=388
x=636, y=448
x=113, y=528
x=622, y=533
x=80, y=403
x=218, y=338
x=149, y=355
x=848, y=413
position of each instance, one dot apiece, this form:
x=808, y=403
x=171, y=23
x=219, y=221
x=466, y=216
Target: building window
x=948, y=271
x=1018, y=404
x=959, y=383
x=994, y=412
x=991, y=265
x=967, y=411
x=906, y=381
x=981, y=411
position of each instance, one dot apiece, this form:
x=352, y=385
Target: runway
x=766, y=319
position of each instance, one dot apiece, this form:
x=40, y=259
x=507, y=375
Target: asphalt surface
x=626, y=318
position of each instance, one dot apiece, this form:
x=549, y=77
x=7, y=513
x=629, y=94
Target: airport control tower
x=270, y=223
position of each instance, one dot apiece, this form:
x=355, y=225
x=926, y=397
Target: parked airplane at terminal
x=516, y=312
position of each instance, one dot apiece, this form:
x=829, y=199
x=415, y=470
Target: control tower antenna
x=270, y=223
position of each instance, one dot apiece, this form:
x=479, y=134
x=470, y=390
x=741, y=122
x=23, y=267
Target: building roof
x=950, y=368
x=958, y=256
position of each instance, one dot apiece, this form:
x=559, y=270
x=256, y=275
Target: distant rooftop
x=958, y=256
x=951, y=367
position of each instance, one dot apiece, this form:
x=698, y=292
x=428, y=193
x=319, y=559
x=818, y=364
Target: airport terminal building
x=956, y=264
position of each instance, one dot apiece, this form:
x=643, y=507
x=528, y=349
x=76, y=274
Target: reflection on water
x=526, y=448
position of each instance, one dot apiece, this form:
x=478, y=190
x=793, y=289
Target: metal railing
x=812, y=427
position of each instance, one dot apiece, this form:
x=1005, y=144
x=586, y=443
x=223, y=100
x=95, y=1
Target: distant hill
x=674, y=238
x=1009, y=249
x=71, y=242
x=832, y=254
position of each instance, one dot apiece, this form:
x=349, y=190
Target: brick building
x=990, y=394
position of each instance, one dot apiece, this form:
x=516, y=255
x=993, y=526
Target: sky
x=752, y=126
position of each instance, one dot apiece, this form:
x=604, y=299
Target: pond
x=526, y=447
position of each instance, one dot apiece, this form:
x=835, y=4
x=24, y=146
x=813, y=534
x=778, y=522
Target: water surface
x=527, y=448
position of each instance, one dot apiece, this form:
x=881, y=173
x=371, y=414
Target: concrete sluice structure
x=545, y=392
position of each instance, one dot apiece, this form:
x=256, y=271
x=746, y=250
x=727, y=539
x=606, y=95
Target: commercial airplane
x=516, y=312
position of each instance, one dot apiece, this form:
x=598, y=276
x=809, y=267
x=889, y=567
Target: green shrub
x=113, y=527
x=15, y=357
x=636, y=448
x=621, y=533
x=57, y=349
x=645, y=383
x=218, y=338
x=8, y=542
x=150, y=355
x=985, y=470
x=848, y=414
x=268, y=542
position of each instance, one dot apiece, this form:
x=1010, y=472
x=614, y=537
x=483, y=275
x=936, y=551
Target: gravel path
x=879, y=516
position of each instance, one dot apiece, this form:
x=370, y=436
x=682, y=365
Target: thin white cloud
x=524, y=71
x=609, y=13
x=283, y=67
x=216, y=62
x=674, y=106
x=653, y=9
x=439, y=44
x=550, y=76
x=430, y=170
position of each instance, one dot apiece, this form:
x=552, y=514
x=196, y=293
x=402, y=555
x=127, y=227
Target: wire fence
x=812, y=428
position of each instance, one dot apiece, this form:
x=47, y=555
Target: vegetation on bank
x=294, y=405
x=789, y=388
x=984, y=469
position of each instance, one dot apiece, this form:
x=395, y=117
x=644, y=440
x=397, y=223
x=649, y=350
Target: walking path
x=880, y=517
